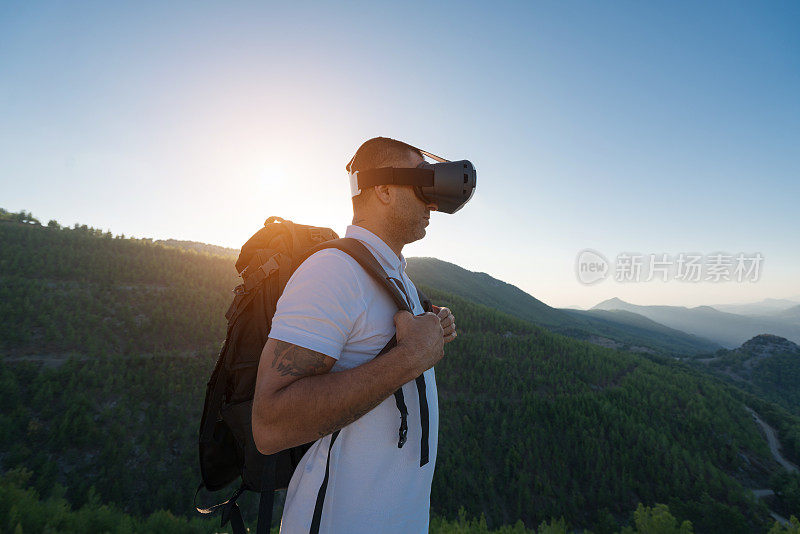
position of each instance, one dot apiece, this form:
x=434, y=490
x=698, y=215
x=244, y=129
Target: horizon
x=620, y=129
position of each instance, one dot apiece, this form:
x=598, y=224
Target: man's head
x=396, y=209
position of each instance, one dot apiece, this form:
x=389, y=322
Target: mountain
x=606, y=329
x=107, y=343
x=763, y=307
x=792, y=313
x=767, y=365
x=642, y=329
x=728, y=329
x=483, y=289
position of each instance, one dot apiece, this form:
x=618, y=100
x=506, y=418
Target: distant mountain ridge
x=768, y=306
x=728, y=329
x=791, y=313
x=680, y=342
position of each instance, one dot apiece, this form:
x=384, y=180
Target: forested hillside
x=87, y=291
x=107, y=344
x=767, y=365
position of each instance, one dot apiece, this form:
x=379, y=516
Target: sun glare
x=302, y=197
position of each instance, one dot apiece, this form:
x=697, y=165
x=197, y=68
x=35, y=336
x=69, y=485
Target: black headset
x=448, y=184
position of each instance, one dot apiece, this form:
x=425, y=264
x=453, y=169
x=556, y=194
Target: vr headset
x=449, y=184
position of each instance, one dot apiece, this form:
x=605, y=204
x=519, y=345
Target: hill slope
x=767, y=365
x=613, y=330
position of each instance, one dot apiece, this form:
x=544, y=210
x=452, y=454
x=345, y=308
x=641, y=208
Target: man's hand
x=420, y=338
x=448, y=322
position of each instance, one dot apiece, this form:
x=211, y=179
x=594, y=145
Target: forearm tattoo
x=291, y=360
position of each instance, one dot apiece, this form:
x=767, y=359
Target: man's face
x=409, y=215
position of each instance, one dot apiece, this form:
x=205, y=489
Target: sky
x=628, y=128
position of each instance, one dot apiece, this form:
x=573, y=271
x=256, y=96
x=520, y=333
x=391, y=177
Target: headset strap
x=395, y=176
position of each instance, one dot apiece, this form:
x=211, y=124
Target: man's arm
x=297, y=400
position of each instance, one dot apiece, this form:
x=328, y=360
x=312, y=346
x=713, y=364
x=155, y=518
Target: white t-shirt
x=331, y=305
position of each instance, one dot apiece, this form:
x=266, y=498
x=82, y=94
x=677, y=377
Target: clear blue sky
x=655, y=127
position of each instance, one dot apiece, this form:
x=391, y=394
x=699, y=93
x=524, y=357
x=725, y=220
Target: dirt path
x=774, y=447
x=760, y=494
x=779, y=518
x=705, y=360
x=772, y=441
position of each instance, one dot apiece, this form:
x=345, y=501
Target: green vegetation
x=23, y=510
x=84, y=291
x=766, y=373
x=108, y=343
x=767, y=365
x=787, y=490
x=584, y=432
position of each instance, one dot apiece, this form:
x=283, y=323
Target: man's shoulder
x=328, y=273
x=330, y=262
x=320, y=304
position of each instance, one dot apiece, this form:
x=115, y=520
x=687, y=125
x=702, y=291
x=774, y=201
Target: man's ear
x=383, y=193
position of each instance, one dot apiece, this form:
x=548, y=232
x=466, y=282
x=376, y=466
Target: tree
x=657, y=520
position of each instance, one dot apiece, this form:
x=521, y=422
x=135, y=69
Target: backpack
x=226, y=445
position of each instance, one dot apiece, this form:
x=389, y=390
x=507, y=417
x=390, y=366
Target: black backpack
x=227, y=447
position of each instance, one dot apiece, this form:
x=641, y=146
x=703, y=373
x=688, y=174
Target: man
x=319, y=372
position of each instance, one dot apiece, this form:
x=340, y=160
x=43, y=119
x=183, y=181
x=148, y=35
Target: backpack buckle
x=261, y=273
x=239, y=290
x=403, y=432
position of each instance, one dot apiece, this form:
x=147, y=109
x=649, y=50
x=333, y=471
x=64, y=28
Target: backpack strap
x=427, y=305
x=316, y=519
x=424, y=422
x=424, y=415
x=267, y=498
x=399, y=400
x=423, y=397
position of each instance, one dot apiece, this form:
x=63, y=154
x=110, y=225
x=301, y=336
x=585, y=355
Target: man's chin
x=416, y=236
